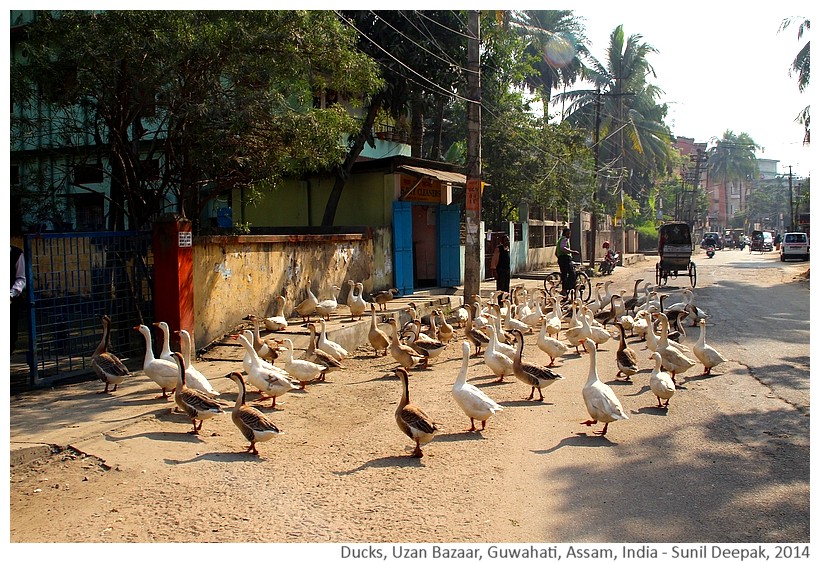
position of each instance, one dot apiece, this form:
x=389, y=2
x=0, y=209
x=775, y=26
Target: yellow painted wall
x=235, y=276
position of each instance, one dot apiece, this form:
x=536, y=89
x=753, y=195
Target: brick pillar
x=174, y=275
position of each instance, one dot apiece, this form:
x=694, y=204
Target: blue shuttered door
x=403, y=246
x=449, y=240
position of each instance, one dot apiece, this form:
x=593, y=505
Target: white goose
x=254, y=425
x=534, y=375
x=551, y=346
x=327, y=307
x=707, y=355
x=271, y=381
x=500, y=364
x=660, y=382
x=277, y=321
x=601, y=402
x=640, y=324
x=474, y=402
x=597, y=333
x=194, y=378
x=511, y=323
x=672, y=358
x=333, y=348
x=247, y=359
x=553, y=321
x=166, y=353
x=313, y=354
x=501, y=346
x=194, y=403
x=162, y=372
x=355, y=301
x=301, y=370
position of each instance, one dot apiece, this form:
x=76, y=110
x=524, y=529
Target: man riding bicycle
x=564, y=254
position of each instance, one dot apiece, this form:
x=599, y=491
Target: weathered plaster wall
x=239, y=275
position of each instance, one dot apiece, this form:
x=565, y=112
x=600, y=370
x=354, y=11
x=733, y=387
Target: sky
x=722, y=65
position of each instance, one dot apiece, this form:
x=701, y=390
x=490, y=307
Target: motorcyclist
x=610, y=259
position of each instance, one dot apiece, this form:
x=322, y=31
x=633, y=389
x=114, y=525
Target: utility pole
x=700, y=157
x=791, y=204
x=472, y=246
x=593, y=223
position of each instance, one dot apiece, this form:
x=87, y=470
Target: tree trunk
x=417, y=126
x=343, y=171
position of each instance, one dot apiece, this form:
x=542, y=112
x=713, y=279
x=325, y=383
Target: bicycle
x=583, y=285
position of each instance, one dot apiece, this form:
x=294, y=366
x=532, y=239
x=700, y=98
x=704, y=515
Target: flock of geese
x=493, y=329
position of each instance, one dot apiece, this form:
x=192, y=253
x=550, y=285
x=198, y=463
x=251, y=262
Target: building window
x=536, y=238
x=86, y=174
x=89, y=211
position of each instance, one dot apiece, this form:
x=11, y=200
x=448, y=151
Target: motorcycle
x=710, y=251
x=608, y=264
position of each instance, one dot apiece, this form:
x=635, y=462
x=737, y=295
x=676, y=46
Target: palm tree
x=801, y=65
x=732, y=159
x=621, y=109
x=555, y=44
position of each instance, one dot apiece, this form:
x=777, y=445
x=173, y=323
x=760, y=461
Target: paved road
x=729, y=462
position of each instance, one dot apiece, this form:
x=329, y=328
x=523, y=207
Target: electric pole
x=791, y=205
x=593, y=222
x=472, y=246
x=700, y=158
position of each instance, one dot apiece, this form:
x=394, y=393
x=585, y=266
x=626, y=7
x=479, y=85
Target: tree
x=621, y=111
x=732, y=159
x=422, y=56
x=802, y=67
x=554, y=48
x=188, y=105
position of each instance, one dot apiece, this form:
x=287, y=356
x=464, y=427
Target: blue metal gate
x=72, y=280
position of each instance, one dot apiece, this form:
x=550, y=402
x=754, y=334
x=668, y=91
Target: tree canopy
x=219, y=99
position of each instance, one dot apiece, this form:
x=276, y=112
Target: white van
x=794, y=245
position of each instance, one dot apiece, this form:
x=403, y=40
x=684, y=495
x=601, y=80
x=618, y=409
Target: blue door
x=403, y=246
x=449, y=241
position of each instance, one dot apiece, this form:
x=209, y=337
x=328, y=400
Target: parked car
x=794, y=245
x=712, y=239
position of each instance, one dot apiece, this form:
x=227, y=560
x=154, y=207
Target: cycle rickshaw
x=675, y=253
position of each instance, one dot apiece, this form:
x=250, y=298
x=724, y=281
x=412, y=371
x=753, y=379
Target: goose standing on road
x=108, y=367
x=660, y=382
x=254, y=426
x=537, y=377
x=707, y=355
x=162, y=372
x=194, y=403
x=473, y=401
x=601, y=402
x=413, y=421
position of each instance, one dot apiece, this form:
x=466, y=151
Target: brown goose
x=402, y=353
x=625, y=358
x=255, y=426
x=196, y=404
x=108, y=367
x=476, y=337
x=413, y=421
x=529, y=373
x=382, y=297
x=376, y=336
